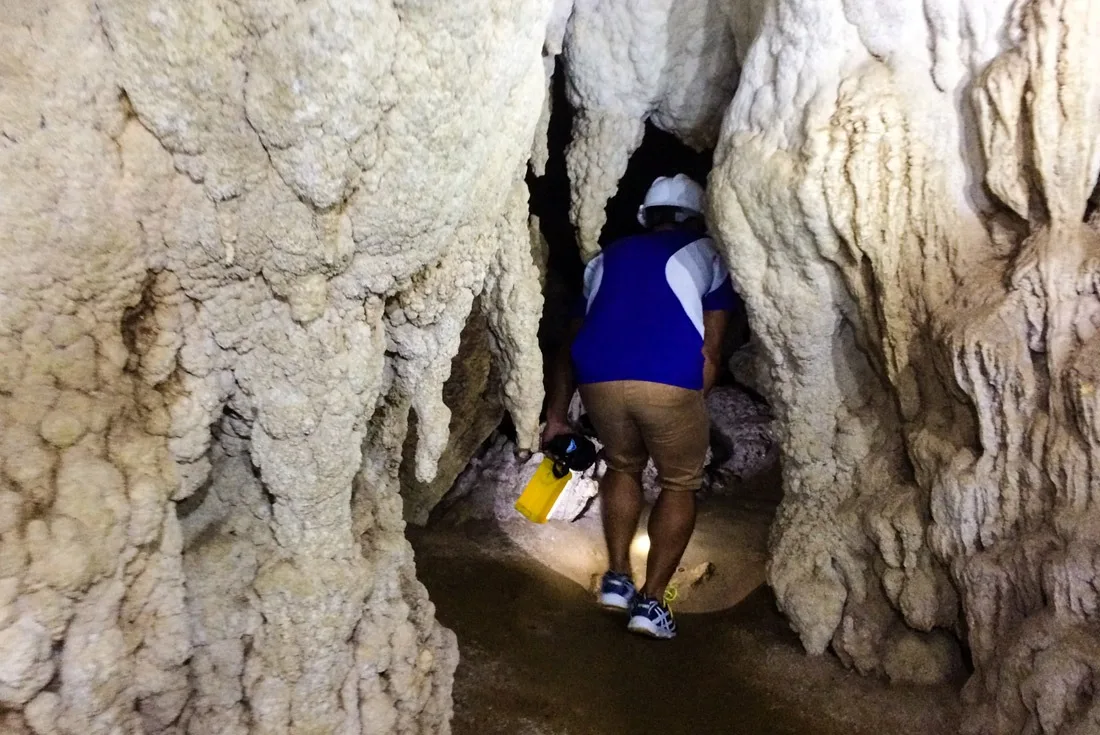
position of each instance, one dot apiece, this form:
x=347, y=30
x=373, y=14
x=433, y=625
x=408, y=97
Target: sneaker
x=652, y=618
x=616, y=591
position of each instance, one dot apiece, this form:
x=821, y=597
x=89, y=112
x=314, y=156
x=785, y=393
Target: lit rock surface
x=901, y=189
x=241, y=241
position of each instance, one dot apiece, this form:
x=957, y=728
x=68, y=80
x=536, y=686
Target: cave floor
x=537, y=657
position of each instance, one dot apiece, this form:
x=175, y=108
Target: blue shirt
x=643, y=303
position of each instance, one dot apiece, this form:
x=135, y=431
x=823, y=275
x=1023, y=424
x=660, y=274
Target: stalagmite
x=901, y=194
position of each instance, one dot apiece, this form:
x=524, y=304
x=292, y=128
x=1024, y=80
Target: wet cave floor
x=537, y=656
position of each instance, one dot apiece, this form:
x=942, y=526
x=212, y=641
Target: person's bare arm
x=561, y=386
x=714, y=327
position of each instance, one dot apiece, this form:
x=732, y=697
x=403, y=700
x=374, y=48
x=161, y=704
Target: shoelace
x=669, y=597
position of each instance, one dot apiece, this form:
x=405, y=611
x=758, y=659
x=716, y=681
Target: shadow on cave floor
x=538, y=658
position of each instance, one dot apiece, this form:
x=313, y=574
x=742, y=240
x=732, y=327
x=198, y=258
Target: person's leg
x=621, y=488
x=670, y=527
x=621, y=499
x=674, y=424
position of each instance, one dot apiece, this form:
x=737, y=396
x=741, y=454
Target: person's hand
x=554, y=428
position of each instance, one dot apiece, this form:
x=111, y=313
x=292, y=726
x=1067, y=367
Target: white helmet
x=679, y=191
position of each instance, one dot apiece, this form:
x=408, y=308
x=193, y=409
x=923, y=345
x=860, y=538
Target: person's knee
x=674, y=510
x=678, y=494
x=622, y=477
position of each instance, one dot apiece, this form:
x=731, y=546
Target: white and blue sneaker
x=650, y=617
x=616, y=591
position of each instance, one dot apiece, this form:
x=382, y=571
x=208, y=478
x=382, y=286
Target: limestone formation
x=902, y=192
x=669, y=62
x=472, y=395
x=241, y=241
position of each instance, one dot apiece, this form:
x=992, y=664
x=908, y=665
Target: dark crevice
x=1042, y=379
x=194, y=501
x=660, y=154
x=126, y=105
x=550, y=203
x=136, y=320
x=1093, y=202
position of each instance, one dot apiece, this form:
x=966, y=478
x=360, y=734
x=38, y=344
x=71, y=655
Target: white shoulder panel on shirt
x=690, y=273
x=593, y=276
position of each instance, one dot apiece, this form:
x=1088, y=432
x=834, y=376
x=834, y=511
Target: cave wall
x=241, y=241
x=901, y=192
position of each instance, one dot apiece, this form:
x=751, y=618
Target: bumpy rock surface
x=902, y=192
x=671, y=63
x=472, y=395
x=240, y=243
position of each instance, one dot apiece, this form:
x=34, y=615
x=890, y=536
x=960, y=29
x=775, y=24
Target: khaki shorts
x=637, y=420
